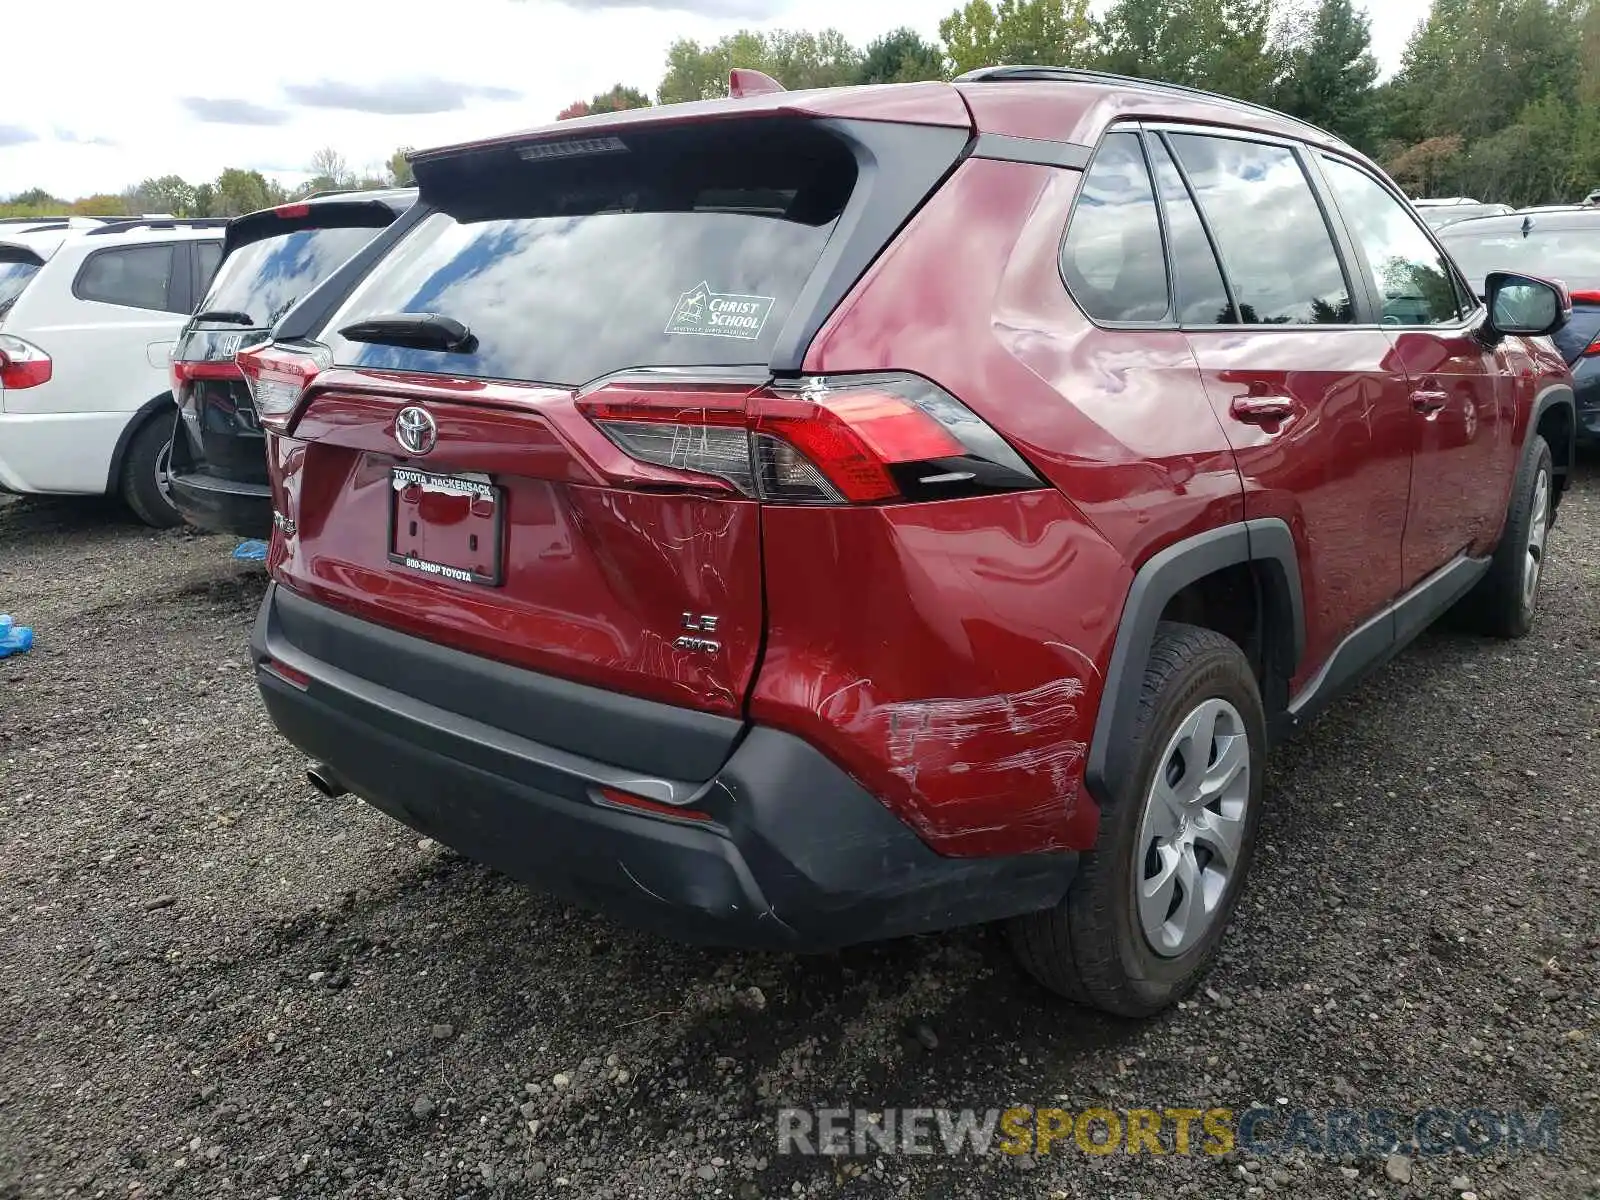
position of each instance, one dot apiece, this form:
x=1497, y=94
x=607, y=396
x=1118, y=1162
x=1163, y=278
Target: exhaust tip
x=325, y=781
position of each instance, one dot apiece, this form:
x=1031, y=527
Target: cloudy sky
x=120, y=97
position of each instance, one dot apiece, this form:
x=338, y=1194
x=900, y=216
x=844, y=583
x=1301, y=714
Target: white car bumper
x=62, y=453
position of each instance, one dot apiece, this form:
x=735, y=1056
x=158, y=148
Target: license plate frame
x=472, y=491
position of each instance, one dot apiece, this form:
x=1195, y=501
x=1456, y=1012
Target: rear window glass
x=14, y=277
x=1570, y=255
x=265, y=278
x=673, y=248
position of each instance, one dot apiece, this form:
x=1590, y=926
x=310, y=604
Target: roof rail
x=159, y=223
x=1084, y=75
x=40, y=226
x=61, y=220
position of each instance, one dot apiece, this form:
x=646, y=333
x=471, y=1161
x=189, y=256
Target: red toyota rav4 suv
x=809, y=518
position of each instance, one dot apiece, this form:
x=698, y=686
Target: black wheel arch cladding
x=1267, y=547
x=154, y=408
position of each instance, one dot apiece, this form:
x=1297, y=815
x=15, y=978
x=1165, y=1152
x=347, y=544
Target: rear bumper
x=795, y=854
x=223, y=505
x=59, y=453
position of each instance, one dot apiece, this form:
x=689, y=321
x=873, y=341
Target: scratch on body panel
x=969, y=753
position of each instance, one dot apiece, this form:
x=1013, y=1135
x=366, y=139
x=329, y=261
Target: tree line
x=234, y=192
x=1498, y=99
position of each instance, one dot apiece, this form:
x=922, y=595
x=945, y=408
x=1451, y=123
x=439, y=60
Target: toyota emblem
x=415, y=430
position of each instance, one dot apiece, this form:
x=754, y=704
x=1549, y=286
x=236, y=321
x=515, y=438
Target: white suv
x=88, y=317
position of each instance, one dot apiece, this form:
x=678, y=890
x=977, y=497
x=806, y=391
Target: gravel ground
x=212, y=980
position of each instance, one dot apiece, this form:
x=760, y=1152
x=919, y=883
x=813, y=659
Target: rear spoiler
x=13, y=253
x=931, y=103
x=350, y=213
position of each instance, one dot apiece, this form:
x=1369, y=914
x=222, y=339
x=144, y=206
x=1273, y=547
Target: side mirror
x=1525, y=306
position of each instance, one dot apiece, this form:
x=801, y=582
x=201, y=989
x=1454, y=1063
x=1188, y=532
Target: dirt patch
x=212, y=980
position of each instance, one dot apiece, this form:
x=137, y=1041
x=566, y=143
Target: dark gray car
x=1559, y=244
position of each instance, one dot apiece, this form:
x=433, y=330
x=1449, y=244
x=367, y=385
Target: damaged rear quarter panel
x=950, y=657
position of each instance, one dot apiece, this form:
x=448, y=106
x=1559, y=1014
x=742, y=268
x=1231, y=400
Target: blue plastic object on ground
x=14, y=638
x=251, y=551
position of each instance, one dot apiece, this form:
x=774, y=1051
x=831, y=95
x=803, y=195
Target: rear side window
x=1202, y=296
x=207, y=257
x=1275, y=244
x=681, y=247
x=132, y=276
x=265, y=278
x=1414, y=279
x=1113, y=259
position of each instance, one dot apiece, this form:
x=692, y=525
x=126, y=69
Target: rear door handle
x=1261, y=410
x=1428, y=401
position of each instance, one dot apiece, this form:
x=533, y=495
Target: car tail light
x=278, y=376
x=22, y=364
x=696, y=428
x=188, y=372
x=838, y=440
x=288, y=211
x=1593, y=349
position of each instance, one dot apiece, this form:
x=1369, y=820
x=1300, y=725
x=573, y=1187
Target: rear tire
x=1143, y=919
x=1505, y=600
x=144, y=471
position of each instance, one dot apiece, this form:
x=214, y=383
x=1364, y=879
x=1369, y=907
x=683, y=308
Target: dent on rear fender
x=950, y=657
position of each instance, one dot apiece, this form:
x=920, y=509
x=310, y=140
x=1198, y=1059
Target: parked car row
x=800, y=519
x=1443, y=211
x=89, y=311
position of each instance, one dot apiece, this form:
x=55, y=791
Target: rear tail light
x=208, y=354
x=22, y=364
x=188, y=372
x=278, y=376
x=699, y=429
x=839, y=440
x=1593, y=350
